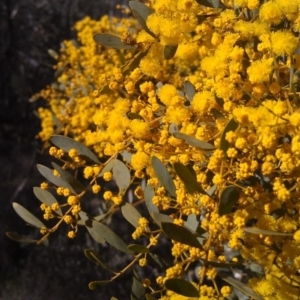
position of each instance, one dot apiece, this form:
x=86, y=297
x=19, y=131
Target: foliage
x=200, y=100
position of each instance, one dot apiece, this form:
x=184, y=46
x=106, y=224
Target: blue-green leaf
x=232, y=125
x=97, y=284
x=182, y=287
x=112, y=41
x=46, y=197
x=190, y=90
x=190, y=181
x=229, y=197
x=21, y=239
x=58, y=181
x=242, y=287
x=121, y=175
x=141, y=12
x=67, y=143
x=27, y=216
x=192, y=141
x=164, y=176
x=94, y=257
x=131, y=214
x=65, y=175
x=138, y=248
x=181, y=234
x=170, y=51
x=148, y=195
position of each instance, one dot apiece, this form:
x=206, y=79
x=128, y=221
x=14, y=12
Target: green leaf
x=190, y=182
x=94, y=257
x=112, y=41
x=190, y=140
x=21, y=239
x=137, y=288
x=131, y=214
x=74, y=183
x=113, y=298
x=206, y=3
x=148, y=195
x=100, y=233
x=232, y=125
x=242, y=287
x=53, y=53
x=157, y=261
x=46, y=197
x=133, y=116
x=27, y=216
x=229, y=197
x=86, y=220
x=181, y=287
x=58, y=181
x=97, y=284
x=223, y=265
x=141, y=13
x=163, y=176
x=159, y=218
x=67, y=143
x=217, y=4
x=108, y=167
x=190, y=90
x=138, y=248
x=121, y=175
x=173, y=128
x=216, y=113
x=180, y=234
x=150, y=297
x=265, y=232
x=170, y=51
x=135, y=62
x=192, y=223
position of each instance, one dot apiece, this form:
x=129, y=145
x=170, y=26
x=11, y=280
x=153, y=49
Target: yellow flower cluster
x=242, y=62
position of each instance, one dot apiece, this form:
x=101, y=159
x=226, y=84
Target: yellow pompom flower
x=260, y=70
x=284, y=42
x=140, y=160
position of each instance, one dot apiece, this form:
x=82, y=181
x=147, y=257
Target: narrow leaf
x=97, y=284
x=150, y=297
x=131, y=214
x=137, y=288
x=58, y=181
x=74, y=183
x=94, y=257
x=67, y=143
x=135, y=62
x=121, y=175
x=159, y=218
x=109, y=236
x=266, y=232
x=217, y=4
x=138, y=248
x=190, y=182
x=163, y=176
x=216, y=113
x=149, y=194
x=108, y=167
x=157, y=261
x=242, y=287
x=27, y=216
x=229, y=197
x=170, y=51
x=46, y=197
x=190, y=140
x=232, y=125
x=86, y=220
x=180, y=234
x=112, y=41
x=206, y=3
x=190, y=90
x=133, y=116
x=182, y=287
x=141, y=12
x=192, y=223
x=18, y=238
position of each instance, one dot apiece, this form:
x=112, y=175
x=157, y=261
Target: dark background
x=28, y=28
